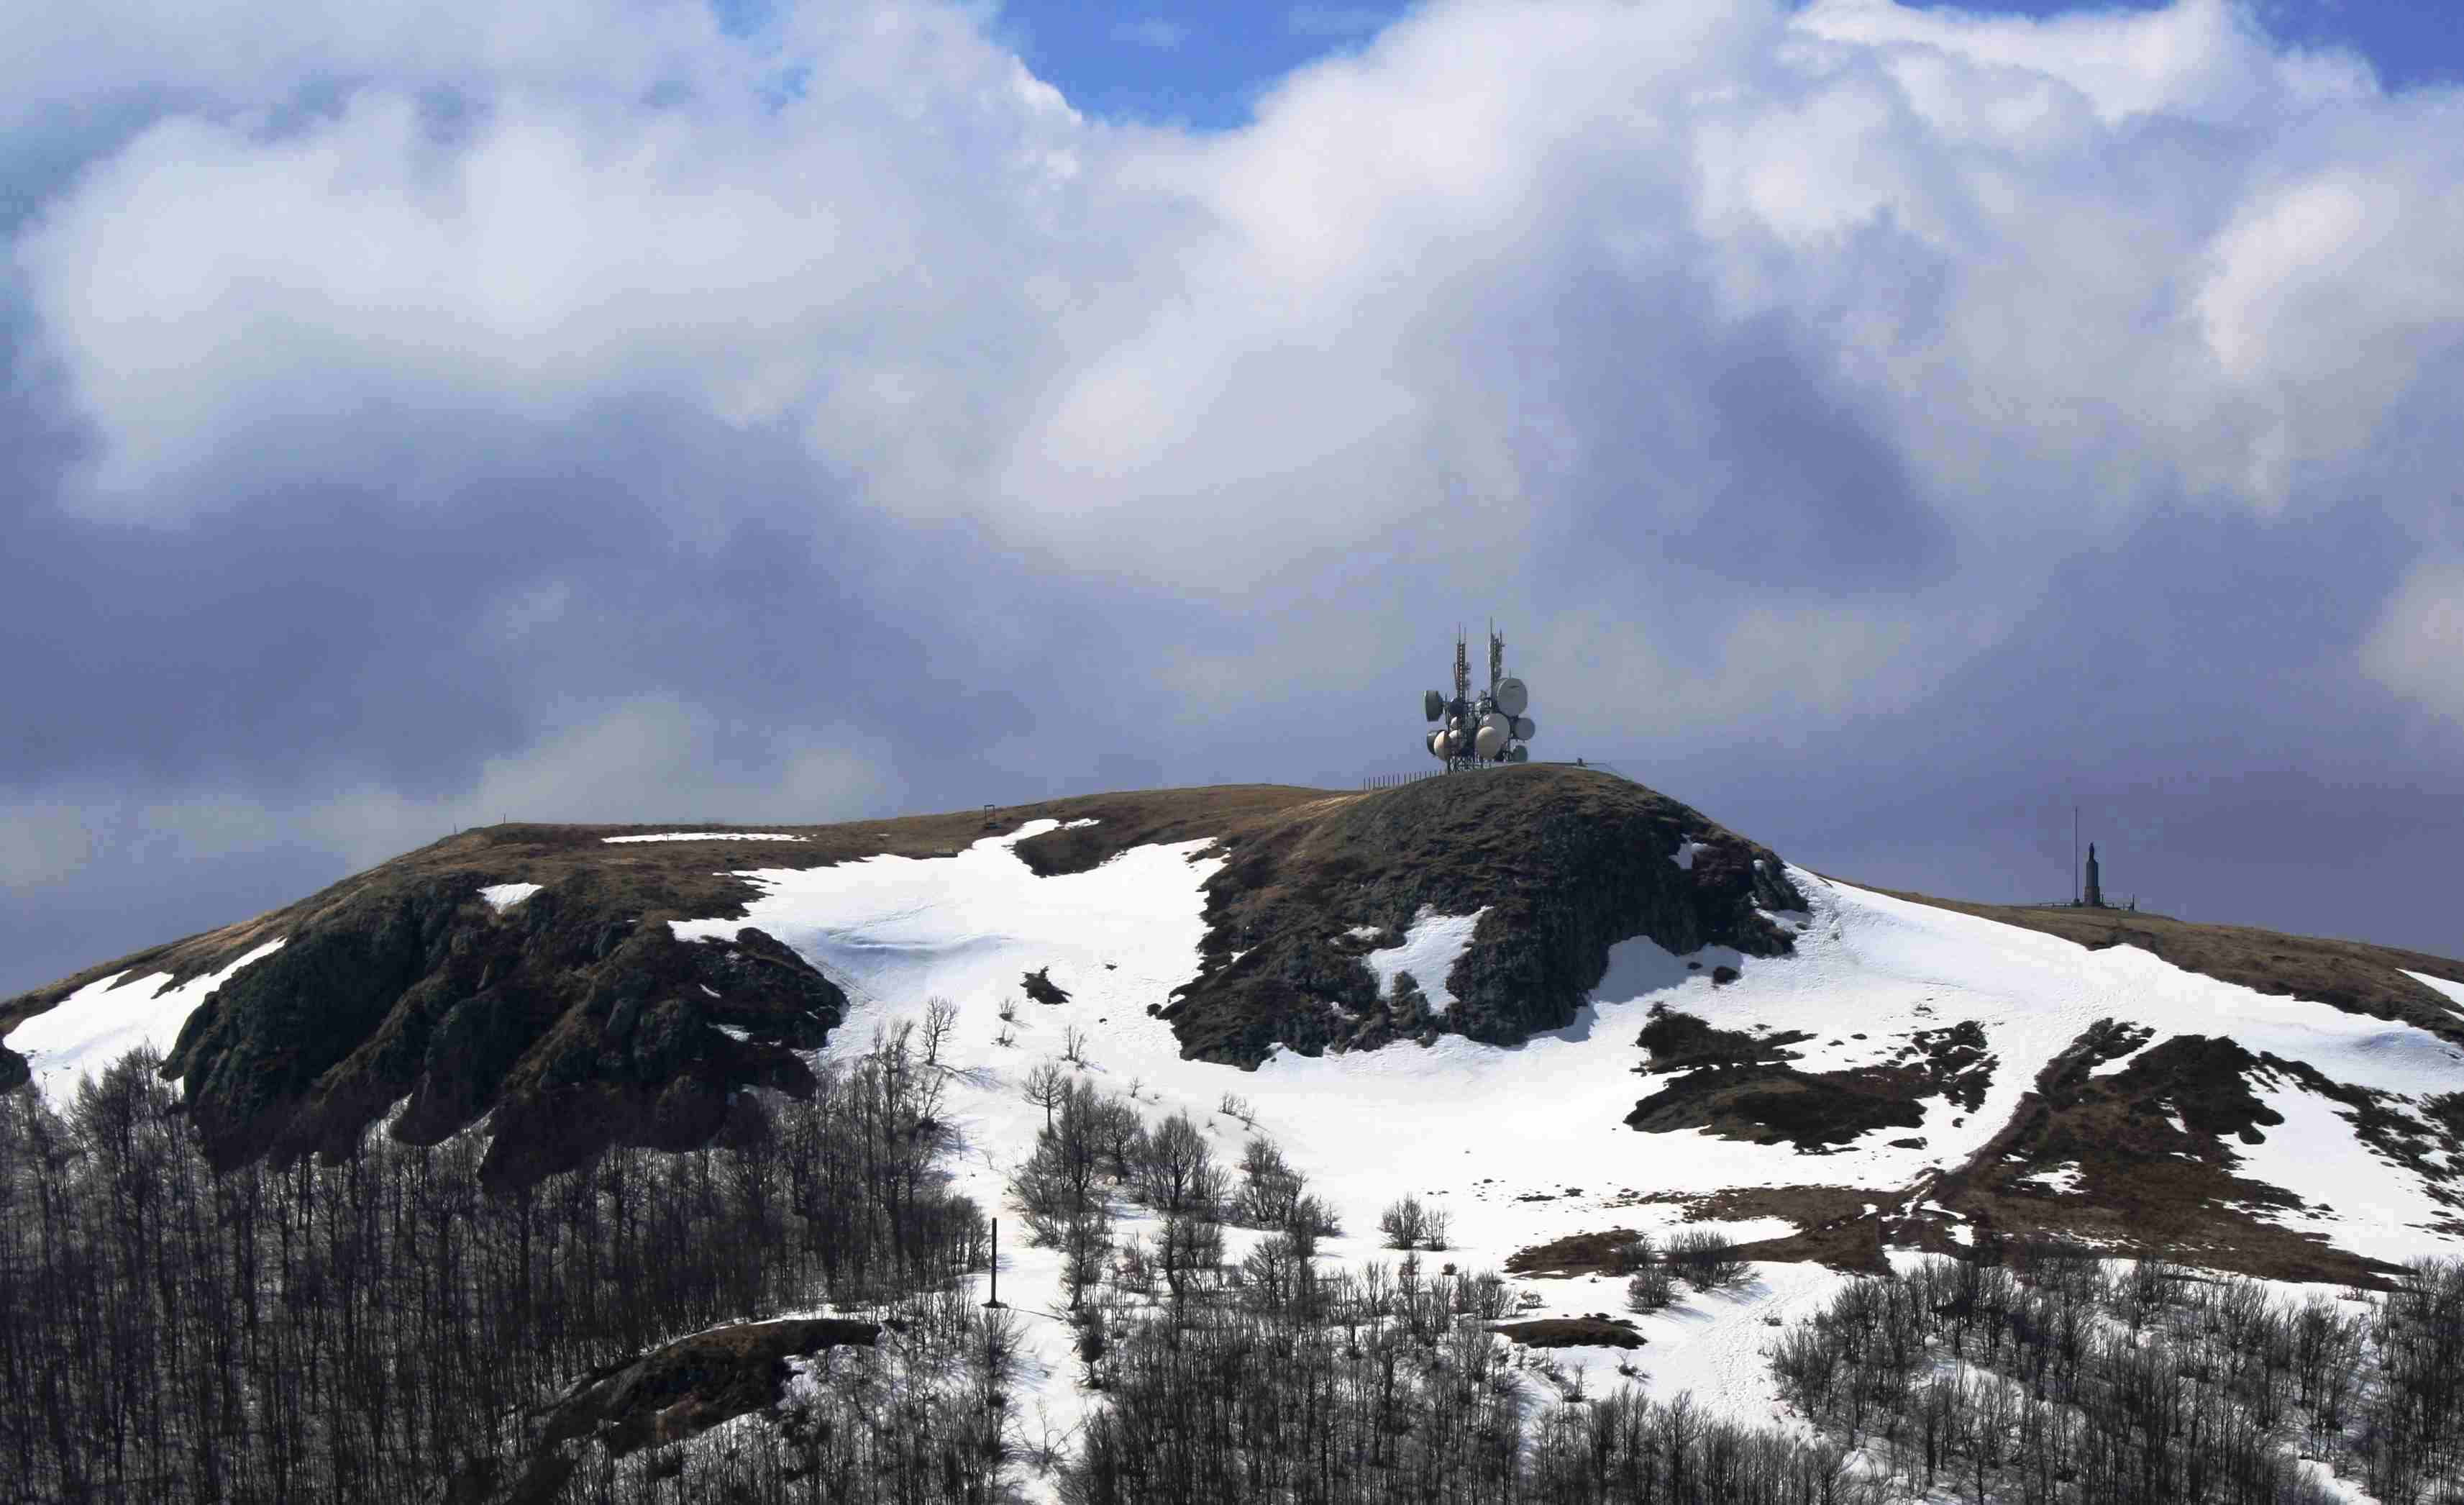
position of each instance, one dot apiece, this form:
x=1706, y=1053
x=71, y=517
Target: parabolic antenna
x=1432, y=705
x=1525, y=729
x=1436, y=749
x=1513, y=696
x=1489, y=743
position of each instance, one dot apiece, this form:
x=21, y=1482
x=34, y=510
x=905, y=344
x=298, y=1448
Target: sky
x=1885, y=428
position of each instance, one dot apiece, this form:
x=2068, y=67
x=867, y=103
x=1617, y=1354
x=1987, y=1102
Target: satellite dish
x=1519, y=754
x=1436, y=748
x=1490, y=741
x=1524, y=727
x=1432, y=705
x=1504, y=725
x=1513, y=696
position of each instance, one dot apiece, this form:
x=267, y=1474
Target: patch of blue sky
x=1206, y=66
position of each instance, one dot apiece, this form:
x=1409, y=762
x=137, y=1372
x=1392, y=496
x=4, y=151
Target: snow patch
x=1429, y=952
x=2062, y=1180
x=2121, y=1063
x=94, y=1027
x=2453, y=992
x=505, y=895
x=2354, y=1198
x=1686, y=850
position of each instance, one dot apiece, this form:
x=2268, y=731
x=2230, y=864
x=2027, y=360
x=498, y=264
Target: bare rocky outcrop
x=1567, y=862
x=673, y=1392
x=574, y=1024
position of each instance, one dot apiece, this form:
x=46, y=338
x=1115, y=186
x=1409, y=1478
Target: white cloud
x=2419, y=641
x=41, y=844
x=643, y=759
x=1491, y=280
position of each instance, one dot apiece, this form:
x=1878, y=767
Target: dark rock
x=1571, y=1331
x=1567, y=862
x=574, y=1027
x=694, y=1383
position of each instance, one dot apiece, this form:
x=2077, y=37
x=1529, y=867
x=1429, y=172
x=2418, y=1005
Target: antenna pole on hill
x=2073, y=856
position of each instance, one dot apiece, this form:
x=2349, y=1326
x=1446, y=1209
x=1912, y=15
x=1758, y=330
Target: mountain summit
x=1542, y=978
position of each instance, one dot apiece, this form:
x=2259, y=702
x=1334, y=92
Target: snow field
x=1516, y=1145
x=1521, y=1144
x=86, y=1031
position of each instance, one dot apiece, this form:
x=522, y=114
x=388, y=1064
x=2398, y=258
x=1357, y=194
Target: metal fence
x=1394, y=780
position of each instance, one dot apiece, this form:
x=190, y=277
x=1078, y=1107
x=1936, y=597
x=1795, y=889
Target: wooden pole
x=996, y=1300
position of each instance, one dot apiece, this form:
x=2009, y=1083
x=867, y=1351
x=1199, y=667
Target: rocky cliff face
x=1561, y=863
x=576, y=1024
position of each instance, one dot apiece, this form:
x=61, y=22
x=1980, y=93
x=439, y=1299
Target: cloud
x=1154, y=32
x=2419, y=641
x=385, y=381
x=649, y=758
x=41, y=844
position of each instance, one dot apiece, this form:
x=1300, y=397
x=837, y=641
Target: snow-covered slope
x=1897, y=1075
x=105, y=1020
x=1523, y=1145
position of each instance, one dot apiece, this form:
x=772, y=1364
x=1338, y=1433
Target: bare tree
x=1074, y=1045
x=1048, y=1087
x=940, y=1022
x=1404, y=1221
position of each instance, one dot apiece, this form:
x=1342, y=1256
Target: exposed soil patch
x=1779, y=1104
x=1835, y=1226
x=1575, y=1254
x=1040, y=987
x=1571, y=1331
x=1740, y=1086
x=2140, y=1161
x=1680, y=1041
